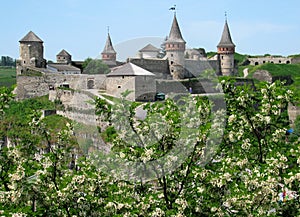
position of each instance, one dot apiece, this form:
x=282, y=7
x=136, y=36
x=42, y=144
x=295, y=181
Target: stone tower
x=31, y=52
x=175, y=48
x=109, y=55
x=64, y=57
x=226, y=49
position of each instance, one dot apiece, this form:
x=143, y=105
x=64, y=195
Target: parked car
x=160, y=96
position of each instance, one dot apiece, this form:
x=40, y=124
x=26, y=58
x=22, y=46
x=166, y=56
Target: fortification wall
x=159, y=67
x=270, y=59
x=33, y=86
x=294, y=112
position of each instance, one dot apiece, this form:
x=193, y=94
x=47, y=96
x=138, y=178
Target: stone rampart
x=160, y=67
x=33, y=86
x=270, y=59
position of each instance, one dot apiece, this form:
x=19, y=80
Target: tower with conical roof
x=31, y=51
x=226, y=50
x=109, y=55
x=175, y=48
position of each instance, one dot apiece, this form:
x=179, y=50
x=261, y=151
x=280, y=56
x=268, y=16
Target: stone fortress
x=144, y=75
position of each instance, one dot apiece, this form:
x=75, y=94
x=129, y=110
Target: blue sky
x=80, y=26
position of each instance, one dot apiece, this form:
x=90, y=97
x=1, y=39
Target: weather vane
x=108, y=29
x=225, y=15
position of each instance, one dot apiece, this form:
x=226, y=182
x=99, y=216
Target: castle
x=143, y=75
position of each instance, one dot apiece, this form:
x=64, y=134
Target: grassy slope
x=7, y=76
x=278, y=69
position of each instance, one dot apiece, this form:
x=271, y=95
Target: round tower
x=175, y=48
x=32, y=51
x=109, y=55
x=226, y=50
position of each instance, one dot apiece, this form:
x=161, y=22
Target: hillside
x=7, y=76
x=292, y=70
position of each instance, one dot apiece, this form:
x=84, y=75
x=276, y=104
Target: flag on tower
x=173, y=8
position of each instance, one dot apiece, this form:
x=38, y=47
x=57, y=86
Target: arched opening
x=288, y=62
x=264, y=62
x=279, y=61
x=256, y=63
x=90, y=84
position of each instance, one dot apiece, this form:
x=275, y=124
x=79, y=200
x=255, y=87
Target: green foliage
x=294, y=56
x=95, y=66
x=210, y=54
x=7, y=61
x=240, y=59
x=86, y=62
x=109, y=134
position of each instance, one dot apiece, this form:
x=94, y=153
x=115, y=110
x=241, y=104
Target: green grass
x=55, y=122
x=7, y=76
x=275, y=69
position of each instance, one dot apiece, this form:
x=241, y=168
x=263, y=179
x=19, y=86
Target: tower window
x=171, y=55
x=172, y=62
x=222, y=57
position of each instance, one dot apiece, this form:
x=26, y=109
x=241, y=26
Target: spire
x=175, y=33
x=31, y=37
x=226, y=40
x=108, y=46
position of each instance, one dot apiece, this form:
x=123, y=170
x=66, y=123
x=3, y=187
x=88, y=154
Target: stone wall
x=145, y=88
x=33, y=86
x=270, y=59
x=159, y=67
x=294, y=112
x=117, y=85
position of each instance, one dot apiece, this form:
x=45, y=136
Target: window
x=172, y=55
x=172, y=62
x=119, y=86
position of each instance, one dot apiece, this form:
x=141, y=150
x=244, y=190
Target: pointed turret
x=175, y=33
x=108, y=46
x=175, y=48
x=226, y=40
x=226, y=50
x=109, y=54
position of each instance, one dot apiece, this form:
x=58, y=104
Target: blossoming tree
x=181, y=159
